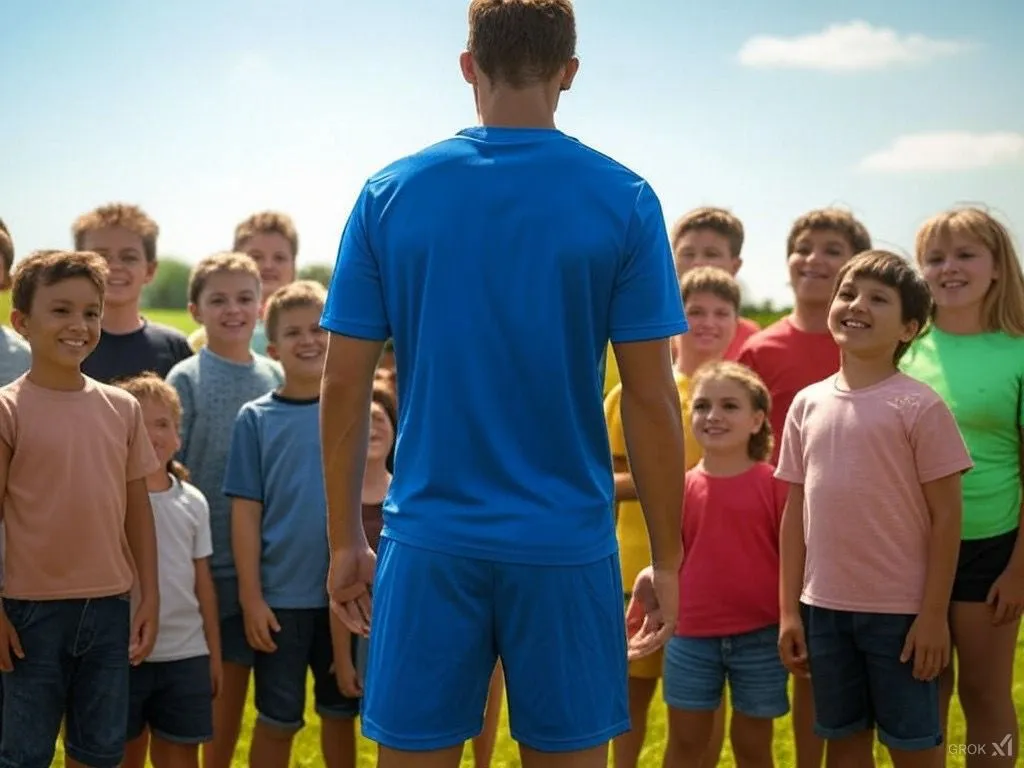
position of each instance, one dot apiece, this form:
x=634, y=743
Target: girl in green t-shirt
x=973, y=356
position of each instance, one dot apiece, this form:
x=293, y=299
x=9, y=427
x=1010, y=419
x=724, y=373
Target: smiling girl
x=973, y=356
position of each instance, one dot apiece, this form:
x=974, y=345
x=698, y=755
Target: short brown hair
x=52, y=267
x=301, y=293
x=6, y=254
x=129, y=217
x=893, y=271
x=150, y=386
x=711, y=280
x=227, y=261
x=760, y=444
x=834, y=219
x=717, y=220
x=267, y=222
x=521, y=42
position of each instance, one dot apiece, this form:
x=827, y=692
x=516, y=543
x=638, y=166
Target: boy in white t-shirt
x=172, y=692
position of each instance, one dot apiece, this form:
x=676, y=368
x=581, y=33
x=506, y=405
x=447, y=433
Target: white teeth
x=854, y=324
x=953, y=284
x=73, y=342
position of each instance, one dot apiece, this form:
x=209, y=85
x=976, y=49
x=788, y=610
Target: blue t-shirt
x=275, y=460
x=502, y=261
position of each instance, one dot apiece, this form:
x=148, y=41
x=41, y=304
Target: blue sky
x=205, y=112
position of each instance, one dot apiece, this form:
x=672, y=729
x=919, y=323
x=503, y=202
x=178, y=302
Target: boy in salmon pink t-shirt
x=871, y=528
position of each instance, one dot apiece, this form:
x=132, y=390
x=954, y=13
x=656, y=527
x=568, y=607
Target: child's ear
x=758, y=422
x=18, y=322
x=151, y=267
x=193, y=309
x=272, y=352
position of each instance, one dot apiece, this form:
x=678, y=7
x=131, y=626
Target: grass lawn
x=306, y=753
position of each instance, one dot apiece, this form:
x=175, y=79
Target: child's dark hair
x=54, y=266
x=760, y=445
x=149, y=386
x=711, y=280
x=385, y=399
x=897, y=273
x=834, y=219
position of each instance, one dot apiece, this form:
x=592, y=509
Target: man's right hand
x=348, y=585
x=10, y=645
x=653, y=611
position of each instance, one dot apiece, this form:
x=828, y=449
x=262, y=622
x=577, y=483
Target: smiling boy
x=125, y=236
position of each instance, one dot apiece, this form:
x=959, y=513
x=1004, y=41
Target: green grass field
x=306, y=752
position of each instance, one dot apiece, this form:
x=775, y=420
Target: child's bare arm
x=625, y=490
x=945, y=505
x=344, y=666
x=140, y=531
x=206, y=594
x=246, y=545
x=792, y=553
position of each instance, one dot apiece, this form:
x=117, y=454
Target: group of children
x=164, y=520
x=867, y=447
x=853, y=498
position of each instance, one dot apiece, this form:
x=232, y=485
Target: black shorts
x=981, y=562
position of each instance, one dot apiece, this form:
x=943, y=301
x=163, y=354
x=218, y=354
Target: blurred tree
x=319, y=272
x=169, y=289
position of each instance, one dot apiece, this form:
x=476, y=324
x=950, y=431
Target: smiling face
x=712, y=321
x=125, y=255
x=723, y=416
x=382, y=433
x=818, y=255
x=959, y=270
x=300, y=343
x=866, y=318
x=228, y=306
x=273, y=255
x=63, y=324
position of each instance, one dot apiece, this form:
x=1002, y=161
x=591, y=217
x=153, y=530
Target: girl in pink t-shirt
x=728, y=583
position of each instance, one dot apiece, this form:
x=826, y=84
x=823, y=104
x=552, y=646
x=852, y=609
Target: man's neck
x=810, y=318
x=236, y=352
x=121, y=319
x=516, y=108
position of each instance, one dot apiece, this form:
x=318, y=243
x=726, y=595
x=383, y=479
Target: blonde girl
x=171, y=693
x=973, y=356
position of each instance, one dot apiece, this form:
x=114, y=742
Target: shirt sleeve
x=142, y=460
x=355, y=299
x=939, y=449
x=613, y=418
x=243, y=476
x=203, y=542
x=646, y=303
x=791, y=467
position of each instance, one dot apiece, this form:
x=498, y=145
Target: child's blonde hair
x=149, y=386
x=760, y=444
x=711, y=280
x=124, y=215
x=301, y=293
x=1003, y=306
x=267, y=222
x=230, y=262
x=834, y=219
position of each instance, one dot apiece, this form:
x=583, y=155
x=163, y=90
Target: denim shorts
x=76, y=670
x=860, y=683
x=696, y=670
x=303, y=645
x=234, y=648
x=174, y=699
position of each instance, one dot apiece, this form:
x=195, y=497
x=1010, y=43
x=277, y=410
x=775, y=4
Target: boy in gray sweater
x=224, y=297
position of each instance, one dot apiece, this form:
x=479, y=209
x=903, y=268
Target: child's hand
x=1006, y=597
x=144, y=626
x=928, y=644
x=346, y=676
x=260, y=621
x=216, y=674
x=793, y=646
x=10, y=645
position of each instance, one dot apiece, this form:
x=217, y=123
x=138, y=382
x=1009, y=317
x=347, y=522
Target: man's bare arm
x=345, y=394
x=652, y=425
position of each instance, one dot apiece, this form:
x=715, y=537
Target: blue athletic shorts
x=440, y=622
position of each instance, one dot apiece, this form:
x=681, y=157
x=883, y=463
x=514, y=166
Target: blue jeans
x=174, y=699
x=76, y=669
x=696, y=669
x=859, y=681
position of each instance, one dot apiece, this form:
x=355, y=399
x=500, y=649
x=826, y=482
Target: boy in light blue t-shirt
x=279, y=537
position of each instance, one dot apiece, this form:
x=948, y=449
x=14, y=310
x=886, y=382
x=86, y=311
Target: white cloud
x=946, y=151
x=851, y=47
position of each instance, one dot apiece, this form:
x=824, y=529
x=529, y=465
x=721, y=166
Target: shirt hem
x=648, y=332
x=946, y=470
x=354, y=330
x=502, y=554
x=903, y=609
x=169, y=658
x=729, y=631
x=980, y=534
x=83, y=594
